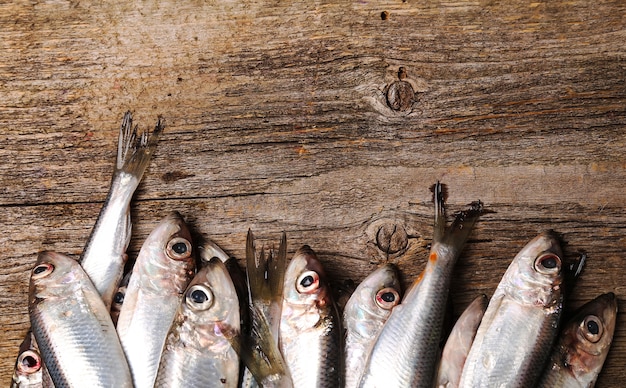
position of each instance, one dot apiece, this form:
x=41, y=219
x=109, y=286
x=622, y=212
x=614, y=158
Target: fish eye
x=42, y=270
x=387, y=298
x=308, y=282
x=199, y=298
x=178, y=248
x=119, y=297
x=29, y=362
x=592, y=328
x=548, y=263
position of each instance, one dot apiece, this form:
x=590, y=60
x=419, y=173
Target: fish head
x=169, y=245
x=51, y=274
x=372, y=301
x=210, y=303
x=588, y=335
x=305, y=281
x=535, y=274
x=28, y=365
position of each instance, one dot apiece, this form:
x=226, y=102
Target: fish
x=516, y=334
x=28, y=366
x=72, y=326
x=164, y=267
x=118, y=298
x=364, y=315
x=265, y=365
x=583, y=345
x=198, y=351
x=459, y=343
x=310, y=327
x=104, y=255
x=411, y=335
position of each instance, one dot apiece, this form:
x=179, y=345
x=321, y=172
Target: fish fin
x=439, y=197
x=276, y=270
x=457, y=233
x=255, y=271
x=133, y=154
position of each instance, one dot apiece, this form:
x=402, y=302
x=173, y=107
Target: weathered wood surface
x=277, y=120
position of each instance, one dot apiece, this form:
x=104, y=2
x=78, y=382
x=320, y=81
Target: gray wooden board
x=278, y=120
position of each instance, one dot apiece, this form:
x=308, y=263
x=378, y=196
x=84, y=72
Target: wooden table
x=327, y=120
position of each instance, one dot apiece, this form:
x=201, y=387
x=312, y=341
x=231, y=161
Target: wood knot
x=391, y=238
x=400, y=94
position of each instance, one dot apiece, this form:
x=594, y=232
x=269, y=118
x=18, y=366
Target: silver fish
x=310, y=328
x=164, y=267
x=28, y=366
x=73, y=328
x=198, y=351
x=412, y=332
x=104, y=255
x=260, y=352
x=583, y=345
x=459, y=343
x=518, y=329
x=118, y=298
x=364, y=315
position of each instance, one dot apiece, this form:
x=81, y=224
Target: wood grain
x=278, y=120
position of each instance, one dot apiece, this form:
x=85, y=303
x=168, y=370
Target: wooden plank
x=277, y=119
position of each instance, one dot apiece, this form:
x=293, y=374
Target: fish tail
x=456, y=235
x=276, y=270
x=256, y=267
x=133, y=151
x=439, y=196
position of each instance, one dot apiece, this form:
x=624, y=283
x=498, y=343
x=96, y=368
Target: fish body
x=459, y=343
x=364, y=315
x=198, y=351
x=104, y=255
x=164, y=267
x=72, y=326
x=406, y=351
x=518, y=329
x=309, y=333
x=583, y=345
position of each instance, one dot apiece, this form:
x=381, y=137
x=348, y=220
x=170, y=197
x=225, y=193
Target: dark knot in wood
x=400, y=94
x=391, y=238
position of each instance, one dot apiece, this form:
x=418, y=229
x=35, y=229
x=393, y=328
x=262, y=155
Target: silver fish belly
x=164, y=267
x=73, y=328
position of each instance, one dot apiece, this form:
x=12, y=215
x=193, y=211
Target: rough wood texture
x=277, y=119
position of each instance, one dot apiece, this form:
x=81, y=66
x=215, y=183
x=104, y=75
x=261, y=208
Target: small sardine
x=365, y=314
x=583, y=345
x=104, y=255
x=310, y=328
x=198, y=351
x=28, y=366
x=459, y=343
x=164, y=267
x=406, y=351
x=518, y=329
x=118, y=298
x=260, y=352
x=72, y=326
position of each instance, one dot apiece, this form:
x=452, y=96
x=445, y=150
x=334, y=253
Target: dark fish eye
x=387, y=298
x=118, y=298
x=42, y=270
x=308, y=282
x=29, y=362
x=178, y=248
x=591, y=328
x=548, y=263
x=199, y=298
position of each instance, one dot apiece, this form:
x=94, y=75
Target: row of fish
x=186, y=316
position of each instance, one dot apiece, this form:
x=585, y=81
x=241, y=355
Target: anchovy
x=459, y=343
x=72, y=326
x=104, y=255
x=412, y=333
x=164, y=267
x=518, y=329
x=310, y=328
x=364, y=315
x=583, y=345
x=198, y=351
